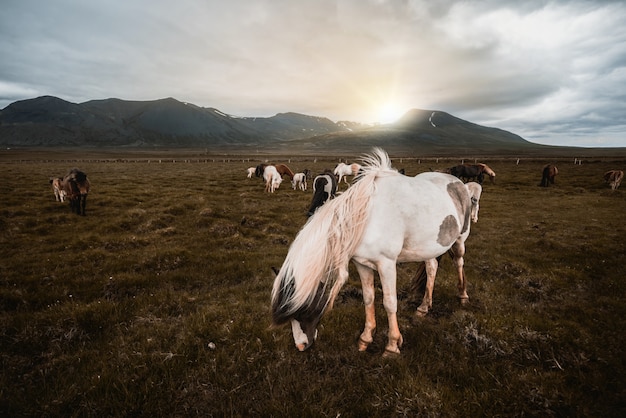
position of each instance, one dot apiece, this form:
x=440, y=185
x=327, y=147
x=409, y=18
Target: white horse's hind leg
x=387, y=272
x=367, y=283
x=431, y=272
x=458, y=251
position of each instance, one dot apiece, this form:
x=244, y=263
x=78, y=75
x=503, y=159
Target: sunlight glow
x=390, y=112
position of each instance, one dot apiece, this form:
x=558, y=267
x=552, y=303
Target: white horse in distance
x=299, y=180
x=272, y=178
x=342, y=170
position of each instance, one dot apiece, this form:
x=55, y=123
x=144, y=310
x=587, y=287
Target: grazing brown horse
x=548, y=174
x=76, y=187
x=614, y=178
x=485, y=169
x=283, y=169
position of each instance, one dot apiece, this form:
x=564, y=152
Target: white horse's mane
x=377, y=162
x=327, y=241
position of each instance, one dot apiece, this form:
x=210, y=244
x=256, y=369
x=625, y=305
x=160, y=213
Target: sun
x=389, y=112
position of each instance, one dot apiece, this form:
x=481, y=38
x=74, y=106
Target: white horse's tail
x=307, y=281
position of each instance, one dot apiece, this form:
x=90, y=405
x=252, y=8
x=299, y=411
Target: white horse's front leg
x=431, y=272
x=367, y=283
x=387, y=272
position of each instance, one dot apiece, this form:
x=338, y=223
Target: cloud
x=547, y=70
x=10, y=92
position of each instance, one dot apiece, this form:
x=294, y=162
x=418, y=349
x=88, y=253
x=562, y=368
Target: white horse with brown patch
x=383, y=219
x=343, y=170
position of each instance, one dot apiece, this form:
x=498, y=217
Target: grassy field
x=157, y=302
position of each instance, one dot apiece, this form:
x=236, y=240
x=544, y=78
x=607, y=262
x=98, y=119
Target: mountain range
x=52, y=122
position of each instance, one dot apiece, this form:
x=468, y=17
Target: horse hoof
x=363, y=344
x=391, y=353
x=464, y=301
x=421, y=313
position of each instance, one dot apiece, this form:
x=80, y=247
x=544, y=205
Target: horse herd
x=326, y=183
x=431, y=212
x=74, y=186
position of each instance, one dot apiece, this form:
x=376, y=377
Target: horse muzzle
x=304, y=335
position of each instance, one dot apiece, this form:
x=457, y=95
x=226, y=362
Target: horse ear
x=276, y=271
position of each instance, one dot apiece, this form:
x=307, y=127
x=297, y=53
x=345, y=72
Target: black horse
x=324, y=188
x=467, y=172
x=258, y=172
x=475, y=172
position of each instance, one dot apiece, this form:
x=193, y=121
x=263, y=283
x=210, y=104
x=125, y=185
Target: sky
x=553, y=72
